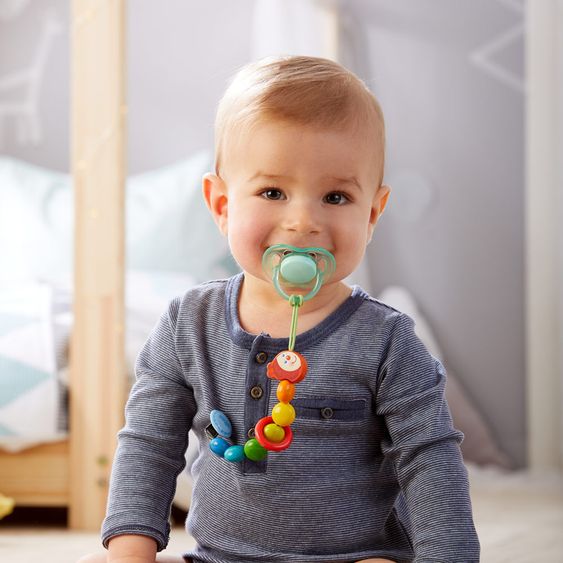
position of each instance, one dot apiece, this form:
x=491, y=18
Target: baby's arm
x=152, y=444
x=424, y=447
x=131, y=549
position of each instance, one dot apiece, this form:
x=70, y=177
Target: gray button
x=327, y=412
x=256, y=392
x=261, y=357
x=251, y=433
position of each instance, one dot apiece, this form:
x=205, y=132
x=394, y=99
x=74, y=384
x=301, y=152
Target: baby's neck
x=273, y=315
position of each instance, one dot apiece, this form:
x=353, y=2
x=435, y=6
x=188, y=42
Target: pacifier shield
x=294, y=269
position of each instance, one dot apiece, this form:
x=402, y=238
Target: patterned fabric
x=30, y=391
x=382, y=478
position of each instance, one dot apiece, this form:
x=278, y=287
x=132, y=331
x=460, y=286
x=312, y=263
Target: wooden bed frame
x=38, y=476
x=75, y=472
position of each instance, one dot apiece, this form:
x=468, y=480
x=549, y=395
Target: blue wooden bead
x=218, y=446
x=221, y=423
x=234, y=454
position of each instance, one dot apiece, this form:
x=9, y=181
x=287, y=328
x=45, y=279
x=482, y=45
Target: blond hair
x=298, y=89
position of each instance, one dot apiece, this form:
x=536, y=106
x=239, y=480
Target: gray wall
x=23, y=28
x=453, y=233
x=454, y=229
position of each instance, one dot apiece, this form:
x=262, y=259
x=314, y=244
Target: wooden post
x=97, y=383
x=544, y=234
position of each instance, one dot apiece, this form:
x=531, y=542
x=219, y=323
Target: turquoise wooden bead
x=218, y=446
x=254, y=451
x=234, y=454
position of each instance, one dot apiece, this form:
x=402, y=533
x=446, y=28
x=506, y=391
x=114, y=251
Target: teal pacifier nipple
x=292, y=269
x=298, y=269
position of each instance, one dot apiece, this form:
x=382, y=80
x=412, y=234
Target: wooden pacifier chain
x=273, y=433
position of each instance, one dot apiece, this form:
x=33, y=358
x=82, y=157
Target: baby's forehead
x=270, y=146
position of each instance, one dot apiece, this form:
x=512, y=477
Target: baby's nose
x=303, y=219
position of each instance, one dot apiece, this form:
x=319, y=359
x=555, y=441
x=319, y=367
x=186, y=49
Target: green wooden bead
x=254, y=451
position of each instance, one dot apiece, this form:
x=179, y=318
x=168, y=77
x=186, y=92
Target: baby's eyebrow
x=264, y=176
x=340, y=180
x=347, y=180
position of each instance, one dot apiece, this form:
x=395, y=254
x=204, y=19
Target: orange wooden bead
x=285, y=391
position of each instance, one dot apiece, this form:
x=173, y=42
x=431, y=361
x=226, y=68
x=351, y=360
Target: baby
x=374, y=472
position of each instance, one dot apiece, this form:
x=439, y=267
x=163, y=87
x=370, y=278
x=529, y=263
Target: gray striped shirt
x=374, y=470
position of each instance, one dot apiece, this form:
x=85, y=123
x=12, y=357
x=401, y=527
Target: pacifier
x=292, y=268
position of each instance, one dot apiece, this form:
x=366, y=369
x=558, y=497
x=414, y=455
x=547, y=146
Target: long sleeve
x=424, y=447
x=151, y=446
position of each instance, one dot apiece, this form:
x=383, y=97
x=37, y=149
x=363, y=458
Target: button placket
x=257, y=386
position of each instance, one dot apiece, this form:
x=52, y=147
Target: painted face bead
x=285, y=391
x=288, y=365
x=283, y=414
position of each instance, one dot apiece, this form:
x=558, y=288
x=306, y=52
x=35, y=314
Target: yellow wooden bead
x=274, y=433
x=285, y=391
x=283, y=414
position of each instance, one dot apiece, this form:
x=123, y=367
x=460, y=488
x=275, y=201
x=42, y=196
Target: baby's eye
x=336, y=198
x=272, y=193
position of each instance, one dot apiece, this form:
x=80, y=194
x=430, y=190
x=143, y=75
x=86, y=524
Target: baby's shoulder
x=199, y=301
x=380, y=312
x=376, y=321
x=205, y=289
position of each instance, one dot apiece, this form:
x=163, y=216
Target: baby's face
x=292, y=184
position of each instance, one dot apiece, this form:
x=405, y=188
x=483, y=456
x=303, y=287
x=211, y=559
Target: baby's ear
x=215, y=196
x=378, y=207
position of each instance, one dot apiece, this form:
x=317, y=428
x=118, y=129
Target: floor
x=519, y=518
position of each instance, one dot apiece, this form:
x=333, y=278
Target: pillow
x=478, y=445
x=168, y=227
x=35, y=221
